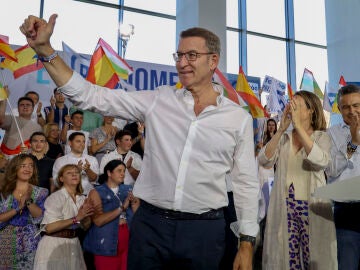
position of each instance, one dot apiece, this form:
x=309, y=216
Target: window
x=232, y=52
x=266, y=57
x=160, y=6
x=12, y=17
x=309, y=17
x=154, y=38
x=314, y=59
x=232, y=18
x=267, y=17
x=82, y=32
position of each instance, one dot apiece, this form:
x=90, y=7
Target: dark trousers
x=347, y=223
x=158, y=242
x=231, y=246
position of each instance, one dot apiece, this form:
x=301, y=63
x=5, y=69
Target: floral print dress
x=18, y=236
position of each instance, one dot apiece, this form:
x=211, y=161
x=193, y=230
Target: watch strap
x=248, y=238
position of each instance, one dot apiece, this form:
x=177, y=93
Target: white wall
x=343, y=39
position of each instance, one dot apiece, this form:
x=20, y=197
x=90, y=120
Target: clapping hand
x=129, y=162
x=85, y=210
x=285, y=119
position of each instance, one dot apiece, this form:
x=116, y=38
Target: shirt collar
x=73, y=155
x=217, y=87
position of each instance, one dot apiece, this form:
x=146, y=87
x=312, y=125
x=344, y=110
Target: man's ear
x=214, y=61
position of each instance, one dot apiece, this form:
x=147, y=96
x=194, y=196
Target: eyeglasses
x=190, y=56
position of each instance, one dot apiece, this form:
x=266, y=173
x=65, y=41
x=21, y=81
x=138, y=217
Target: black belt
x=172, y=214
x=66, y=233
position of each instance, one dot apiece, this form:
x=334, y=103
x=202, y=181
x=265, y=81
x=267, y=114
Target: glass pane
x=232, y=52
x=154, y=39
x=81, y=33
x=161, y=6
x=232, y=13
x=266, y=17
x=266, y=57
x=12, y=17
x=315, y=60
x=309, y=20
x=116, y=2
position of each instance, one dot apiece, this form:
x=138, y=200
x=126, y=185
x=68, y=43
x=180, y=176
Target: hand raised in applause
x=285, y=119
x=354, y=124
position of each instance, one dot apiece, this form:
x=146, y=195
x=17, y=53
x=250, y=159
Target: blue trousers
x=157, y=242
x=348, y=244
x=347, y=223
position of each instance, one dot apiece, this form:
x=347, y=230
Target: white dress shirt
x=87, y=140
x=72, y=159
x=341, y=167
x=186, y=156
x=136, y=163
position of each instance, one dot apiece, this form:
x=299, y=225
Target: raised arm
x=38, y=32
x=284, y=124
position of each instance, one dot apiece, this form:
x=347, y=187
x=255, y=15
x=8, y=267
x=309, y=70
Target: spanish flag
x=244, y=90
x=5, y=49
x=27, y=62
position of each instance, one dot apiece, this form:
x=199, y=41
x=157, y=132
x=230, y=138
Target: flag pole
x=11, y=110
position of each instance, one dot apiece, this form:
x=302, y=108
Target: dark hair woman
x=108, y=237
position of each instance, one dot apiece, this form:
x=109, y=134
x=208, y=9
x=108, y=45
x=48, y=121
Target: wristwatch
x=29, y=201
x=248, y=238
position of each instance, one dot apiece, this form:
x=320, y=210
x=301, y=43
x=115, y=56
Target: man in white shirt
x=131, y=159
x=87, y=164
x=345, y=160
x=194, y=137
x=73, y=124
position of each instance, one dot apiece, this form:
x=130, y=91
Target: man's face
x=349, y=106
x=77, y=120
x=33, y=97
x=77, y=145
x=59, y=97
x=198, y=72
x=125, y=143
x=25, y=108
x=38, y=144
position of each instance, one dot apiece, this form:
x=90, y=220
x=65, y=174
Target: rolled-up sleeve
x=319, y=156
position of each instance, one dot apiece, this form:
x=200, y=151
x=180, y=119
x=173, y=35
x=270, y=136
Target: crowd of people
x=195, y=193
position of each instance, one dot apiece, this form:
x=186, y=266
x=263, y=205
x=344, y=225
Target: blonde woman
x=52, y=133
x=66, y=211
